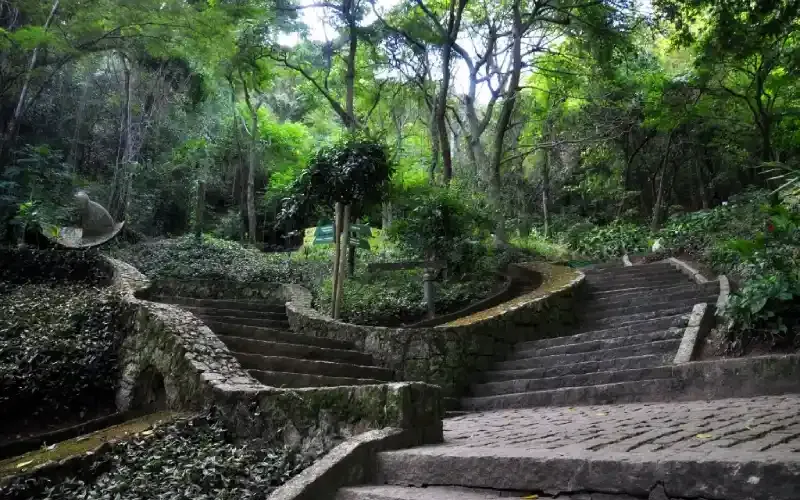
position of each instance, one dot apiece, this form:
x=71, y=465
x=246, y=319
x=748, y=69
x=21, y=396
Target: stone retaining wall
x=198, y=372
x=451, y=355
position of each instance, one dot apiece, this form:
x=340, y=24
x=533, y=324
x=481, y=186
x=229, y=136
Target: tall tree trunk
x=350, y=75
x=504, y=119
x=251, y=180
x=546, y=192
x=72, y=159
x=11, y=129
x=658, y=208
x=120, y=187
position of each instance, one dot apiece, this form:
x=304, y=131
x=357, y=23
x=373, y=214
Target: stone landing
x=726, y=449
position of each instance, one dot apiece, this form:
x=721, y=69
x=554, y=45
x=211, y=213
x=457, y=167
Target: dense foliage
x=188, y=459
x=58, y=351
x=589, y=128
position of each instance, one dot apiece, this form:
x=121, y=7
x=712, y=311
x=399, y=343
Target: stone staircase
x=630, y=326
x=258, y=335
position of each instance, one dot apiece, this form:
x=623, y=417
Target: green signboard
x=359, y=235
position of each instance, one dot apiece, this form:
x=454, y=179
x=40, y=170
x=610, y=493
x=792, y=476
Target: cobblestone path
x=769, y=425
x=729, y=449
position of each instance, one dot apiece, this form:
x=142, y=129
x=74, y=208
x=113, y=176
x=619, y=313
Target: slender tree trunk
x=120, y=186
x=251, y=180
x=546, y=192
x=504, y=119
x=72, y=159
x=658, y=208
x=350, y=75
x=200, y=206
x=11, y=129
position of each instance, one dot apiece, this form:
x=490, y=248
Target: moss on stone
x=82, y=444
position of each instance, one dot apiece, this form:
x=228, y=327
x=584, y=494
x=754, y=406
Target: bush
x=439, y=223
x=58, y=351
x=215, y=259
x=195, y=459
x=609, y=241
x=396, y=298
x=34, y=265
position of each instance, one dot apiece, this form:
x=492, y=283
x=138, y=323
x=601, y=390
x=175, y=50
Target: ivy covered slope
x=189, y=459
x=59, y=336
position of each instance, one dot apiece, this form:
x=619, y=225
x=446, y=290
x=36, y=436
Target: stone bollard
x=428, y=291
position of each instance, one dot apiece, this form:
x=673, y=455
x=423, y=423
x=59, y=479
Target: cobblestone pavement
x=768, y=426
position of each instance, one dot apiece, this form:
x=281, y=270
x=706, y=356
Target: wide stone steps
x=621, y=392
x=646, y=326
x=596, y=311
x=262, y=323
x=390, y=492
x=294, y=365
x=629, y=363
x=581, y=380
x=664, y=280
x=613, y=272
x=241, y=305
x=661, y=347
x=598, y=345
x=679, y=292
x=304, y=351
x=237, y=313
x=273, y=335
x=295, y=380
x=629, y=319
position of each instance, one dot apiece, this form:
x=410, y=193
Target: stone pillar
x=428, y=291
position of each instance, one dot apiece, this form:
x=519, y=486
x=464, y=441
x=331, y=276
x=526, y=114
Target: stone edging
x=702, y=319
x=199, y=372
x=351, y=463
x=700, y=323
x=688, y=270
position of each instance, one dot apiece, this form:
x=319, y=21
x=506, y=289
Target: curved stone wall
x=198, y=371
x=451, y=355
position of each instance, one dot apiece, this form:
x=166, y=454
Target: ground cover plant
x=60, y=331
x=194, y=458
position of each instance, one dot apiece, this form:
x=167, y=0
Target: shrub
x=215, y=259
x=196, y=459
x=58, y=351
x=439, y=223
x=34, y=265
x=610, y=241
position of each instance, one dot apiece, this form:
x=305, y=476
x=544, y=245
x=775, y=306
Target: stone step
x=624, y=320
x=262, y=323
x=595, y=311
x=241, y=305
x=304, y=351
x=272, y=335
x=647, y=326
x=632, y=270
x=519, y=362
x=582, y=380
x=671, y=279
x=630, y=363
x=655, y=275
x=620, y=392
x=639, y=290
x=720, y=474
x=296, y=380
x=239, y=313
x=600, y=344
x=295, y=365
x=390, y=492
x=683, y=291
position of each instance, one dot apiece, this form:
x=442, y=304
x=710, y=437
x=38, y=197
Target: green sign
x=323, y=235
x=359, y=235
